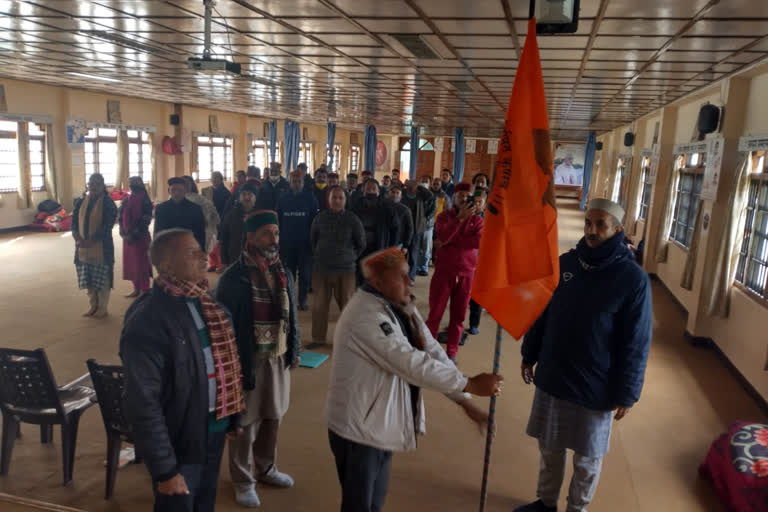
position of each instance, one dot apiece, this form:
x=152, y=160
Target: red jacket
x=460, y=242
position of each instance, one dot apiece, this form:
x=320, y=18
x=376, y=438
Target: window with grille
x=691, y=169
x=305, y=155
x=619, y=188
x=9, y=157
x=336, y=157
x=139, y=155
x=258, y=154
x=214, y=154
x=752, y=269
x=101, y=154
x=354, y=158
x=278, y=156
x=645, y=196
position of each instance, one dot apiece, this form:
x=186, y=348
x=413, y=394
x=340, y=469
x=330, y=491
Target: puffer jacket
x=374, y=364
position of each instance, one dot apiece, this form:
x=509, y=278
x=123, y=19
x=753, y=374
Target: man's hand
x=620, y=412
x=476, y=414
x=404, y=250
x=527, y=372
x=466, y=211
x=485, y=384
x=295, y=363
x=438, y=243
x=175, y=485
x=234, y=434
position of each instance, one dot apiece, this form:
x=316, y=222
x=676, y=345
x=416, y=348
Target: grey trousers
x=586, y=474
x=252, y=454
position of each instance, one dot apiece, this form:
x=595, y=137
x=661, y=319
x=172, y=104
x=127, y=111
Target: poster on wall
x=77, y=129
x=493, y=147
x=712, y=169
x=569, y=164
x=654, y=164
x=113, y=112
x=381, y=154
x=470, y=145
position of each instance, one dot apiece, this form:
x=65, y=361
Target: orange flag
x=518, y=267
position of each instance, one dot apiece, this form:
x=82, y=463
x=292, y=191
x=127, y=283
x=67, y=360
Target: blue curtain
x=331, y=140
x=291, y=142
x=414, y=152
x=369, y=161
x=458, y=156
x=589, y=161
x=272, y=141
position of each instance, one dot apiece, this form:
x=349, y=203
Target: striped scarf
x=229, y=387
x=271, y=304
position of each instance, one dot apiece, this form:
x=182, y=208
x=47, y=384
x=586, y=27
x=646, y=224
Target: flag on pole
x=518, y=265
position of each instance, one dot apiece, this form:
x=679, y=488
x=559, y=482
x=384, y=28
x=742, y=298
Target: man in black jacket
x=173, y=338
x=272, y=189
x=404, y=216
x=259, y=293
x=232, y=229
x=381, y=223
x=422, y=204
x=180, y=212
x=320, y=188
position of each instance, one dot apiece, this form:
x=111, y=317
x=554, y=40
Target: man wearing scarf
x=457, y=233
x=92, y=222
x=589, y=349
x=180, y=212
x=383, y=356
x=259, y=294
x=134, y=216
x=183, y=390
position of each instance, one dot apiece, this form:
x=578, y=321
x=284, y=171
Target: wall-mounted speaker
x=629, y=139
x=599, y=146
x=709, y=118
x=175, y=120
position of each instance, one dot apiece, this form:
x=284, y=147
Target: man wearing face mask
x=386, y=185
x=320, y=188
x=272, y=189
x=259, y=294
x=589, y=348
x=404, y=217
x=380, y=221
x=458, y=233
x=422, y=204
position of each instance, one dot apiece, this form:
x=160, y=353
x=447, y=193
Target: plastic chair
x=109, y=384
x=28, y=394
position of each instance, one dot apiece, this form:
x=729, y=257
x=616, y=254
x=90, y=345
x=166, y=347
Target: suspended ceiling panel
x=393, y=63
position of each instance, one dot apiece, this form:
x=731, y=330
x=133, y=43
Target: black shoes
x=536, y=506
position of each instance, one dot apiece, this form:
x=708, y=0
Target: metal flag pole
x=491, y=415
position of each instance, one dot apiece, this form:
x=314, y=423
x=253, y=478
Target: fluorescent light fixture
x=93, y=77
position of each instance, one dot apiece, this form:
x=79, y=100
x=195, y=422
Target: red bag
x=170, y=146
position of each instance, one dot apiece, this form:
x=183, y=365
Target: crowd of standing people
x=206, y=367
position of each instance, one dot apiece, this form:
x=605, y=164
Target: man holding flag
x=590, y=348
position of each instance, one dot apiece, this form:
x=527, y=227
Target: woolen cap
x=258, y=219
x=607, y=206
x=176, y=180
x=466, y=187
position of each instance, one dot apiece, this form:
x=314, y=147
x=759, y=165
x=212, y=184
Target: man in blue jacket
x=296, y=211
x=589, y=349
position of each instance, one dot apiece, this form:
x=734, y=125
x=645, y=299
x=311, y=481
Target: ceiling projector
x=213, y=65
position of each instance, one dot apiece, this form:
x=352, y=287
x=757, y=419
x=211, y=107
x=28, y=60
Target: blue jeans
x=425, y=253
x=363, y=474
x=202, y=481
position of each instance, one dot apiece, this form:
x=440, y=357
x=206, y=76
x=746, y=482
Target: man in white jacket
x=383, y=355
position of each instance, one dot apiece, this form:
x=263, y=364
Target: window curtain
x=718, y=302
x=25, y=173
x=122, y=160
x=369, y=151
x=331, y=142
x=662, y=241
x=686, y=282
x=589, y=163
x=153, y=181
x=249, y=151
x=272, y=141
x=50, y=164
x=193, y=164
x=458, y=155
x=414, y=152
x=291, y=143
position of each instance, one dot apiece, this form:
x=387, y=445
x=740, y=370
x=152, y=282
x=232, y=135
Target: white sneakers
x=277, y=479
x=248, y=498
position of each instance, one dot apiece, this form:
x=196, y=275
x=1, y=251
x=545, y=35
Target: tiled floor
x=689, y=398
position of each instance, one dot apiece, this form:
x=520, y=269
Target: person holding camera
x=458, y=232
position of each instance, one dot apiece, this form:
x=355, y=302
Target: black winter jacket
x=270, y=194
x=234, y=291
x=166, y=385
x=382, y=215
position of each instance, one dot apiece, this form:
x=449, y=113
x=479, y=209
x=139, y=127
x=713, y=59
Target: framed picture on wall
x=569, y=164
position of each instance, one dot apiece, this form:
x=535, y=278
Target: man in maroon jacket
x=457, y=233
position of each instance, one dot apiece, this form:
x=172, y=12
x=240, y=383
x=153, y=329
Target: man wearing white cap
x=589, y=349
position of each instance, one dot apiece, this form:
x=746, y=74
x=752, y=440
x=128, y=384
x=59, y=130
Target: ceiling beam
x=512, y=30
x=655, y=57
